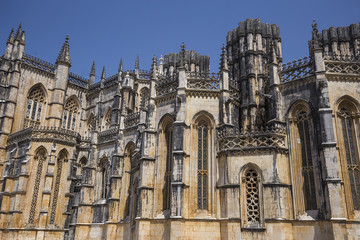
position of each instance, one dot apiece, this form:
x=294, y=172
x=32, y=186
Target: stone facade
x=259, y=150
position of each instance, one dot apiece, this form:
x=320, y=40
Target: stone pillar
x=179, y=151
x=332, y=172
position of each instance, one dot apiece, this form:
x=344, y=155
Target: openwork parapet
x=166, y=84
x=234, y=139
x=38, y=63
x=108, y=135
x=296, y=69
x=77, y=80
x=203, y=75
x=45, y=134
x=208, y=84
x=132, y=120
x=348, y=64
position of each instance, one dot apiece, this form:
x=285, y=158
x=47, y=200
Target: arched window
x=107, y=120
x=251, y=198
x=144, y=97
x=70, y=113
x=40, y=157
x=169, y=166
x=35, y=104
x=104, y=177
x=302, y=158
x=348, y=120
x=202, y=173
x=307, y=163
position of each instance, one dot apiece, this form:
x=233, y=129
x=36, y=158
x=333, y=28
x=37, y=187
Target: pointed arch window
x=351, y=154
x=90, y=123
x=169, y=166
x=307, y=162
x=104, y=170
x=34, y=106
x=40, y=156
x=202, y=173
x=304, y=160
x=70, y=114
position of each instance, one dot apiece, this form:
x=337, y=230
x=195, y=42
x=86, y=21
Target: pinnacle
x=103, y=73
x=137, y=63
x=92, y=72
x=11, y=36
x=64, y=55
x=18, y=32
x=120, y=66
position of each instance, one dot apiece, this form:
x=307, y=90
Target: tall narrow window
x=202, y=172
x=351, y=155
x=69, y=115
x=168, y=172
x=35, y=102
x=40, y=157
x=104, y=177
x=144, y=97
x=56, y=187
x=252, y=199
x=307, y=162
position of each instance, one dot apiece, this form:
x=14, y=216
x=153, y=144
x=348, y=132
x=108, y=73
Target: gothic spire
x=11, y=36
x=103, y=74
x=92, y=72
x=64, y=55
x=120, y=66
x=223, y=59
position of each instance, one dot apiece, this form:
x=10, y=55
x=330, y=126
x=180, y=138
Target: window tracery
x=34, y=106
x=202, y=173
x=70, y=114
x=351, y=157
x=251, y=180
x=169, y=165
x=307, y=162
x=144, y=96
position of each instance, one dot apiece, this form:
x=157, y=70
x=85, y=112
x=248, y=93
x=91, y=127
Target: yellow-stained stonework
x=259, y=150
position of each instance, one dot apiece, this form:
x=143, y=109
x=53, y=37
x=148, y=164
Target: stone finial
x=11, y=36
x=92, y=72
x=182, y=55
x=223, y=59
x=103, y=74
x=315, y=35
x=120, y=69
x=154, y=67
x=137, y=63
x=64, y=55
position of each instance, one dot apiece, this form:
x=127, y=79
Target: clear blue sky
x=107, y=30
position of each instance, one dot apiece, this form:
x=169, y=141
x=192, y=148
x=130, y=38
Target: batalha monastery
x=258, y=150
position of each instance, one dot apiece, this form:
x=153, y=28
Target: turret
x=249, y=47
x=19, y=44
x=63, y=64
